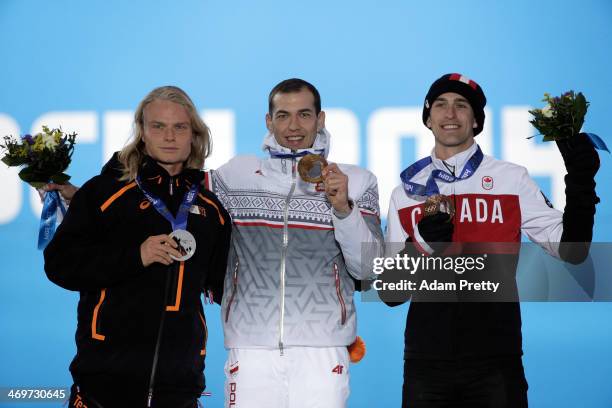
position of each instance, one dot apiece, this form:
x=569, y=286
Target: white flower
x=547, y=111
x=48, y=140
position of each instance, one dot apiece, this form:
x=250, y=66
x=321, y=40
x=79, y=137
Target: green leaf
x=31, y=175
x=581, y=105
x=27, y=174
x=13, y=161
x=580, y=109
x=60, y=178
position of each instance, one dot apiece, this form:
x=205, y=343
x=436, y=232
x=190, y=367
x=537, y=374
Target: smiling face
x=167, y=134
x=293, y=120
x=451, y=119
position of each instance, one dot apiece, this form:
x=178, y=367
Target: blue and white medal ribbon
x=277, y=154
x=597, y=142
x=431, y=188
x=185, y=240
x=52, y=212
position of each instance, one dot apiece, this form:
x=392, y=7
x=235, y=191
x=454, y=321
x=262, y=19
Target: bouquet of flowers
x=562, y=117
x=44, y=157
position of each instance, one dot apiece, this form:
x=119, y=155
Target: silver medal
x=186, y=244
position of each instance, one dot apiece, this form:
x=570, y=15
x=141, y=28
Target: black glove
x=582, y=162
x=579, y=156
x=436, y=228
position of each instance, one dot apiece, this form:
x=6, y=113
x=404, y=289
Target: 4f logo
x=338, y=369
x=234, y=369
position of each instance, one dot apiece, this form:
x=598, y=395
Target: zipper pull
x=171, y=187
x=281, y=348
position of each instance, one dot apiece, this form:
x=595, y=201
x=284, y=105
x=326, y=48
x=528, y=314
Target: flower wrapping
x=44, y=158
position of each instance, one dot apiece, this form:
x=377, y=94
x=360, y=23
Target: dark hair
x=294, y=85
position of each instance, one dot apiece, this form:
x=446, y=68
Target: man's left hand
x=336, y=188
x=579, y=156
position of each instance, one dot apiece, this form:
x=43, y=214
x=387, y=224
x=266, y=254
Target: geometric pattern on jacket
x=323, y=253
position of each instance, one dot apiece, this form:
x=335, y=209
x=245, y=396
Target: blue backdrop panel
x=97, y=59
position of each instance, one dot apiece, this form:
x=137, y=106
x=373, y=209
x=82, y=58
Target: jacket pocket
x=233, y=295
x=203, y=320
x=339, y=293
x=95, y=319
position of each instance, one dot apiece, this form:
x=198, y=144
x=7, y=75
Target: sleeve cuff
x=420, y=243
x=342, y=216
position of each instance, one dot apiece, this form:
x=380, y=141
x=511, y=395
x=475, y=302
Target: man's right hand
x=67, y=190
x=436, y=228
x=158, y=248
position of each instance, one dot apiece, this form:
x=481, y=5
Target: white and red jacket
x=495, y=204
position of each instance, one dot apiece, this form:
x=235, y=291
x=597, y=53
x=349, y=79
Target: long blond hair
x=132, y=154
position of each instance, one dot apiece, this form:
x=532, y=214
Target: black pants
x=80, y=398
x=491, y=383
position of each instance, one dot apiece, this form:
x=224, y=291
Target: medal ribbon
x=430, y=188
x=52, y=212
x=597, y=142
x=180, y=222
x=278, y=154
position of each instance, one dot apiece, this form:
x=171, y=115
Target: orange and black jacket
x=96, y=251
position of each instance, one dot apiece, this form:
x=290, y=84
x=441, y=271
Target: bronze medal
x=311, y=168
x=439, y=203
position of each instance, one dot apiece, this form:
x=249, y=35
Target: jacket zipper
x=160, y=331
x=235, y=287
x=284, y=257
x=339, y=293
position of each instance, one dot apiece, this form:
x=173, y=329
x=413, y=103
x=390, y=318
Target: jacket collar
x=150, y=169
x=321, y=143
x=457, y=161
